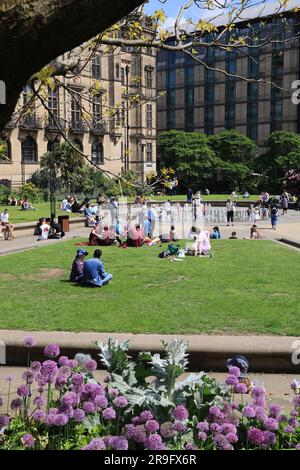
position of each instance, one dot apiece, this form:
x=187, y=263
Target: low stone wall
x=27, y=228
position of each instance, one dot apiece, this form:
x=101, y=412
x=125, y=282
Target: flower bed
x=140, y=406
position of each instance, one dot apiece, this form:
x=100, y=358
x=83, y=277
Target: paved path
x=277, y=385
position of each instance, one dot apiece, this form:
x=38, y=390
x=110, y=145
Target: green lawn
x=248, y=286
x=17, y=216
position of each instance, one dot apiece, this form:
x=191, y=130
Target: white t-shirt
x=45, y=229
x=4, y=217
x=229, y=206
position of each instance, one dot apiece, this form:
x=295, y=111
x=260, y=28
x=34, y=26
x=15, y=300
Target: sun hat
x=81, y=252
x=241, y=362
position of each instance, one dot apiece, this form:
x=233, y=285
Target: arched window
x=78, y=144
x=97, y=153
x=29, y=150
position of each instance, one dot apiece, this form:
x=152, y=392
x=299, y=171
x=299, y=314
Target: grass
x=16, y=216
x=247, y=287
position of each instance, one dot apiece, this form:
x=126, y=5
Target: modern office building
x=96, y=110
x=201, y=99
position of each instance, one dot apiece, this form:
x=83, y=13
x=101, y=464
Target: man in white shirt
x=44, y=230
x=4, y=222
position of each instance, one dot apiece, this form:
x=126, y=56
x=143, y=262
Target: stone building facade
x=119, y=141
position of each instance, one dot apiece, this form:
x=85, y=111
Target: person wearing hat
x=243, y=364
x=78, y=266
x=216, y=235
x=94, y=273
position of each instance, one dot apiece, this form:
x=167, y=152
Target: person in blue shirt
x=216, y=235
x=94, y=272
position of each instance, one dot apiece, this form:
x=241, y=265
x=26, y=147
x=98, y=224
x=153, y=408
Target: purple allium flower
x=120, y=402
x=215, y=428
x=90, y=365
x=249, y=411
x=231, y=380
x=154, y=442
x=69, y=399
x=49, y=370
x=294, y=413
x=221, y=442
x=227, y=428
x=73, y=363
x=89, y=407
x=23, y=391
x=65, y=371
x=275, y=410
x=203, y=426
x=28, y=376
x=67, y=410
x=16, y=404
x=9, y=378
x=28, y=440
x=202, y=436
x=129, y=431
x=271, y=424
x=60, y=419
x=136, y=420
x=51, y=351
x=140, y=434
x=35, y=366
x=214, y=411
x=113, y=392
x=152, y=426
x=63, y=361
x=4, y=421
x=179, y=426
x=293, y=422
x=296, y=401
x=60, y=382
x=109, y=413
x=233, y=370
x=260, y=413
x=79, y=415
x=77, y=380
x=295, y=385
x=95, y=444
x=232, y=437
x=261, y=402
x=40, y=379
x=29, y=342
x=144, y=416
x=180, y=413
x=190, y=446
x=234, y=405
x=289, y=429
x=282, y=419
x=39, y=415
x=118, y=443
x=241, y=388
x=258, y=392
x=269, y=438
x=255, y=436
x=297, y=447
x=101, y=402
x=167, y=430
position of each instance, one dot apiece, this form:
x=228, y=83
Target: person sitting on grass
x=233, y=236
x=76, y=274
x=89, y=217
x=216, y=235
x=26, y=206
x=135, y=236
x=94, y=273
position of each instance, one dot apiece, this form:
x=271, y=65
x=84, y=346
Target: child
x=243, y=364
x=216, y=235
x=173, y=234
x=233, y=236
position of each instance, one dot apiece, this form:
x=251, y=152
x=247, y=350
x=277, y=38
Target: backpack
x=173, y=249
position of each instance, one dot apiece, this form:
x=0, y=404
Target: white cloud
x=170, y=22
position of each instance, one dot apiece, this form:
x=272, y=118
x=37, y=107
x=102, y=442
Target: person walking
x=189, y=196
x=274, y=217
x=230, y=206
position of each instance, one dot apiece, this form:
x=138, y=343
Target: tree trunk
x=34, y=32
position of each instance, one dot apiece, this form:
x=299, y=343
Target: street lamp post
x=127, y=120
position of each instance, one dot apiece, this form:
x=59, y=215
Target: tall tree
x=34, y=32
